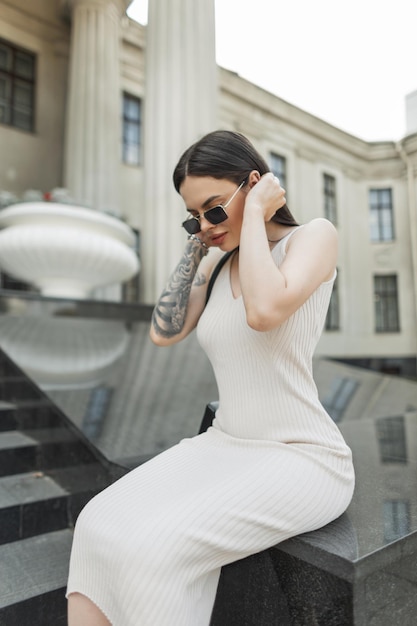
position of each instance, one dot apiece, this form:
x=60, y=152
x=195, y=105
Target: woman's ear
x=253, y=178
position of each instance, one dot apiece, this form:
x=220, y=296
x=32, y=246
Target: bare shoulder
x=320, y=225
x=317, y=231
x=316, y=246
x=323, y=225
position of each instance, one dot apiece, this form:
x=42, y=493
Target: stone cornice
x=133, y=33
x=68, y=5
x=409, y=144
x=255, y=96
x=40, y=26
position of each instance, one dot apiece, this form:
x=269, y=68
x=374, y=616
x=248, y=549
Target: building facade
x=72, y=117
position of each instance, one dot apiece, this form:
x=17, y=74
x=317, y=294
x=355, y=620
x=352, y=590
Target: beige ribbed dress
x=148, y=550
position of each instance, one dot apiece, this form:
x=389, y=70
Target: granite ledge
x=319, y=549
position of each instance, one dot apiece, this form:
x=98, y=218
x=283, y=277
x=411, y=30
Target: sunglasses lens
x=216, y=215
x=192, y=226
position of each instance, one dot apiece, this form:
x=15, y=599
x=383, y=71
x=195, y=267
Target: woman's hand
x=266, y=196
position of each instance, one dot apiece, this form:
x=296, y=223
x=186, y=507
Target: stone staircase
x=48, y=471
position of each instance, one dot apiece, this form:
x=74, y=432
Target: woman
x=149, y=549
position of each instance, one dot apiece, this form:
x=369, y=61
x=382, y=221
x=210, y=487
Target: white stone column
x=180, y=107
x=92, y=151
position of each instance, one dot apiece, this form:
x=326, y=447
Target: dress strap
x=216, y=272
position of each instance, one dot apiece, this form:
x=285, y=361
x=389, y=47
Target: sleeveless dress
x=148, y=550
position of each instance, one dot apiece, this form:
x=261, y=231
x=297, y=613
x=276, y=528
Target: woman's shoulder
x=316, y=241
x=318, y=229
x=319, y=224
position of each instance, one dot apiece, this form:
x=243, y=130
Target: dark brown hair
x=225, y=154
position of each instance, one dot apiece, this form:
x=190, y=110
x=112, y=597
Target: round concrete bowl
x=65, y=250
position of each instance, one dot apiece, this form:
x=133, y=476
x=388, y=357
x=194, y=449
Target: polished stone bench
x=359, y=570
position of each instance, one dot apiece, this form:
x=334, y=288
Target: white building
x=73, y=91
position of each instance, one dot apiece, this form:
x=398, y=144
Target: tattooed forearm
x=170, y=311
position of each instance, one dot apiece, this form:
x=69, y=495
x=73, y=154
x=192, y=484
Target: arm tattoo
x=171, y=309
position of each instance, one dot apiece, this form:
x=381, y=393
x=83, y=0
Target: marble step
x=32, y=587
x=15, y=388
x=39, y=502
x=21, y=415
x=7, y=367
x=40, y=449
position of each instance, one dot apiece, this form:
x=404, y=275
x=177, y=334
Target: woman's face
x=201, y=193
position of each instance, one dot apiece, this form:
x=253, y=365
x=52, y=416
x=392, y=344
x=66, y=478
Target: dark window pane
x=381, y=219
x=4, y=113
x=385, y=199
x=5, y=87
x=131, y=130
x=22, y=120
x=386, y=304
x=131, y=109
x=330, y=208
x=5, y=57
x=279, y=167
x=391, y=439
x=131, y=133
x=131, y=154
x=396, y=519
x=24, y=65
x=17, y=86
x=339, y=397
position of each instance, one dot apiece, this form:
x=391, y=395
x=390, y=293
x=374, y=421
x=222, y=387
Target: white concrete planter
x=65, y=250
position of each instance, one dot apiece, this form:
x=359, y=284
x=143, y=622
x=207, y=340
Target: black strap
x=216, y=272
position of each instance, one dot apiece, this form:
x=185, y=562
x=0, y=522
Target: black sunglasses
x=216, y=215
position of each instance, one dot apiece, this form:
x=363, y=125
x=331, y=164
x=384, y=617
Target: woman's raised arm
x=271, y=294
x=182, y=301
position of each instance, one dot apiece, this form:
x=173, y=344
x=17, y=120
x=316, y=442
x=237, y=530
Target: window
x=332, y=317
x=396, y=515
x=279, y=168
x=17, y=87
x=329, y=190
x=339, y=397
x=392, y=439
x=96, y=410
x=131, y=129
x=386, y=304
x=381, y=215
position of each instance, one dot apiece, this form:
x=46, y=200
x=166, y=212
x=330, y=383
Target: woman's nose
x=205, y=225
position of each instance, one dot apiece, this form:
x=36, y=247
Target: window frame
x=330, y=198
x=341, y=392
x=392, y=439
x=396, y=515
x=16, y=79
x=386, y=310
x=129, y=122
x=378, y=212
x=279, y=172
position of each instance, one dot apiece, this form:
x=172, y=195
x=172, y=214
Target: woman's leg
x=148, y=550
x=83, y=612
